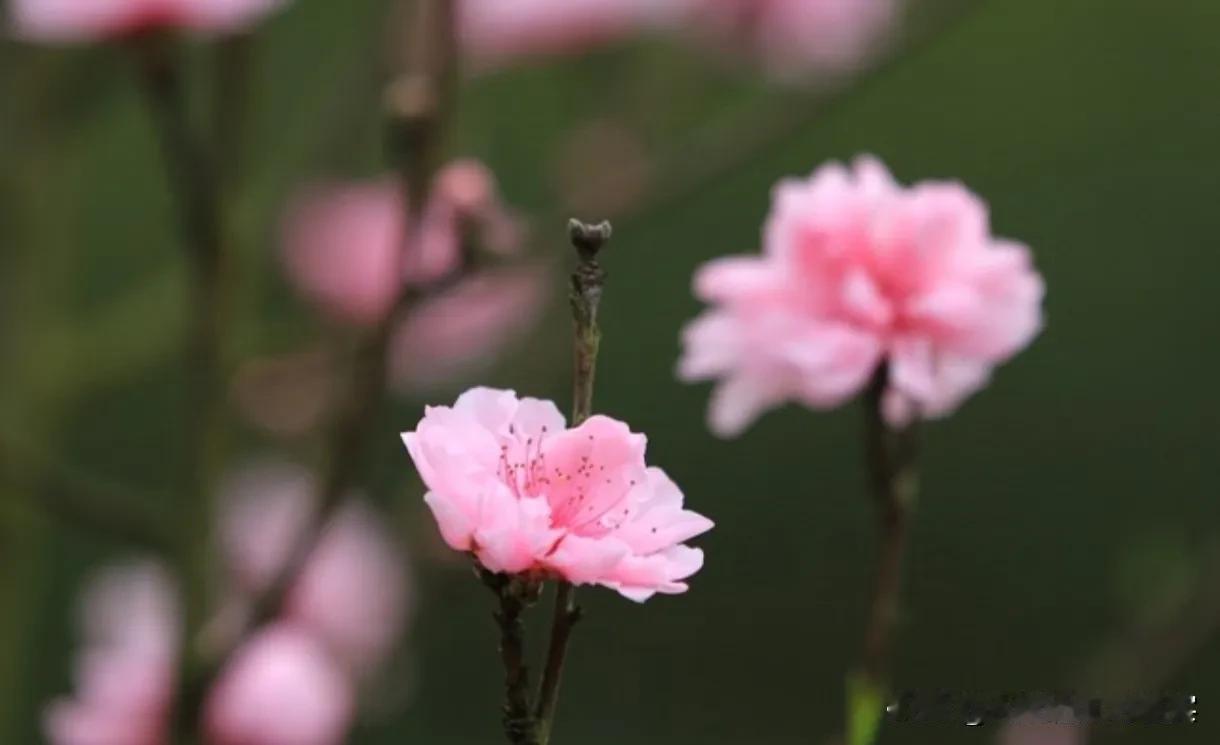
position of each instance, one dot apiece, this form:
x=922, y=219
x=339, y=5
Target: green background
x=1073, y=500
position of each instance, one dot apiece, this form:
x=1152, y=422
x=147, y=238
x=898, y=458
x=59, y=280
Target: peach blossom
x=858, y=271
x=454, y=334
x=340, y=619
x=341, y=246
x=342, y=242
x=494, y=32
x=352, y=592
x=88, y=20
x=795, y=37
x=125, y=676
x=281, y=688
x=509, y=482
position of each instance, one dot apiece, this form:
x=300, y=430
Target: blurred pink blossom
x=125, y=675
x=856, y=271
x=281, y=688
x=87, y=20
x=340, y=249
x=794, y=37
x=340, y=619
x=342, y=241
x=509, y=482
x=352, y=592
x=449, y=336
x=494, y=32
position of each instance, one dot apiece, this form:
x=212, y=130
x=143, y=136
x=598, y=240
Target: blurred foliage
x=1089, y=125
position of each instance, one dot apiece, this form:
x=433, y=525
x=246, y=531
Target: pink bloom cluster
x=494, y=31
x=294, y=682
x=344, y=249
x=509, y=482
x=858, y=271
x=790, y=37
x=90, y=20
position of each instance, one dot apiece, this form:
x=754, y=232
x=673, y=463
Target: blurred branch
x=1143, y=657
x=417, y=104
x=84, y=501
x=417, y=101
x=892, y=465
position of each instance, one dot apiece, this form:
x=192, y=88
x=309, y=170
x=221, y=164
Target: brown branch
x=587, y=282
x=417, y=103
x=891, y=455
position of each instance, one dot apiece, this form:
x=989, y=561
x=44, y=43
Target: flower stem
x=515, y=595
x=891, y=454
x=586, y=292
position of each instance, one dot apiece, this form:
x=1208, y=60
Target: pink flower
x=290, y=685
x=88, y=20
x=794, y=37
x=510, y=483
x=494, y=32
x=858, y=271
x=125, y=677
x=342, y=242
x=281, y=688
x=341, y=247
x=449, y=336
x=352, y=592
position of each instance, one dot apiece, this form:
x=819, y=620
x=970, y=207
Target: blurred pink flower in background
x=858, y=271
x=281, y=688
x=494, y=32
x=294, y=682
x=126, y=673
x=450, y=336
x=352, y=593
x=509, y=482
x=340, y=249
x=342, y=241
x=794, y=37
x=88, y=20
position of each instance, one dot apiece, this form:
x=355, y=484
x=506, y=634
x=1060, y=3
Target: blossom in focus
x=352, y=591
x=794, y=37
x=858, y=271
x=280, y=688
x=494, y=32
x=126, y=674
x=88, y=20
x=509, y=482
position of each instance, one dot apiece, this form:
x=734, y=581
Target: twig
x=515, y=594
x=587, y=283
x=891, y=454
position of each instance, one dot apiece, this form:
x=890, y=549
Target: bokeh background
x=1069, y=528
